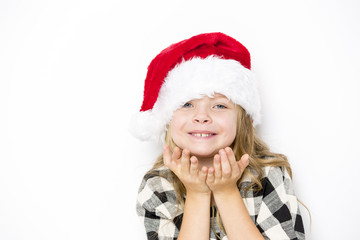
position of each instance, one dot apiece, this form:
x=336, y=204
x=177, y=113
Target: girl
x=215, y=179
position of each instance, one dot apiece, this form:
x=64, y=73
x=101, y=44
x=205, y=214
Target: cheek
x=176, y=135
x=231, y=125
x=177, y=124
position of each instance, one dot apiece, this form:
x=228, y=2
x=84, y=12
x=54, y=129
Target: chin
x=204, y=154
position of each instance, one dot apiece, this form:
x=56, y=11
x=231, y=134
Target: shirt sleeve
x=279, y=215
x=156, y=206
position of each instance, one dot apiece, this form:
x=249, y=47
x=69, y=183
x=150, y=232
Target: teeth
x=202, y=134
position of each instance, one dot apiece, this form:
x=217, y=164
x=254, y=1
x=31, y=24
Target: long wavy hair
x=245, y=141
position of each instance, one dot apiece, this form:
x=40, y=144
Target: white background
x=71, y=75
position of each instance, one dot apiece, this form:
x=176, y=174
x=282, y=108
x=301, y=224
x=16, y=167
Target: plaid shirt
x=274, y=209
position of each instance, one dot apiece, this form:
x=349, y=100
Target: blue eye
x=187, y=105
x=220, y=106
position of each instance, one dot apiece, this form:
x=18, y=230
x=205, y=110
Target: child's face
x=204, y=126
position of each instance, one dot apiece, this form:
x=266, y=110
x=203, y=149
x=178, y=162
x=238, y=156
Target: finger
x=225, y=165
x=217, y=166
x=203, y=174
x=210, y=176
x=166, y=155
x=232, y=160
x=243, y=162
x=176, y=153
x=194, y=165
x=185, y=160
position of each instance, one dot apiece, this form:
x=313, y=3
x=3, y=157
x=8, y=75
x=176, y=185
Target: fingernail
x=186, y=152
x=247, y=159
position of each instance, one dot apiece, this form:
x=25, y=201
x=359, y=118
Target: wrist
x=198, y=195
x=226, y=192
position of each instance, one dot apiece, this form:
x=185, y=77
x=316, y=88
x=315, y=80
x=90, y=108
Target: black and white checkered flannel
x=274, y=209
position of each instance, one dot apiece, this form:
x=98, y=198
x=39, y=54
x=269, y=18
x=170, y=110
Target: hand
x=186, y=168
x=225, y=173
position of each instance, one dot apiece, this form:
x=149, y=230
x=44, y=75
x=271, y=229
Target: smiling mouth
x=203, y=135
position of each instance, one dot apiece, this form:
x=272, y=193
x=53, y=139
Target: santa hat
x=191, y=69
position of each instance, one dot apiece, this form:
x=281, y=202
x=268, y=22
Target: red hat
x=202, y=65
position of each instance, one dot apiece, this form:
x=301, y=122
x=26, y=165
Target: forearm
x=235, y=217
x=196, y=218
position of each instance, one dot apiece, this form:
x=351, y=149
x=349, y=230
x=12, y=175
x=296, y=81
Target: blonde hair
x=245, y=141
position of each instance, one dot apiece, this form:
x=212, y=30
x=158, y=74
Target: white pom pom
x=145, y=126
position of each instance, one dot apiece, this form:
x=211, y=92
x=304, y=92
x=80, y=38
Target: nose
x=202, y=116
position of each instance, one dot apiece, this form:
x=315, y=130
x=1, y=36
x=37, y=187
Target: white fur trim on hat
x=194, y=79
